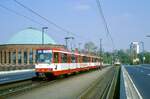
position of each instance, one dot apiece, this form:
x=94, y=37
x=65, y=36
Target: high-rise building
x=135, y=49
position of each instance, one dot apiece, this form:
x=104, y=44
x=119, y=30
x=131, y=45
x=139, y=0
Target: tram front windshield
x=44, y=56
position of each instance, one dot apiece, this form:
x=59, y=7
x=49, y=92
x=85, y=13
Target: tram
x=59, y=61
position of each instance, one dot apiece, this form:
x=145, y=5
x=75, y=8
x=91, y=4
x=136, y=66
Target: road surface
x=141, y=77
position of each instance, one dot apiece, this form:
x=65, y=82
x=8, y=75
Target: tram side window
x=94, y=59
x=79, y=58
x=56, y=57
x=89, y=59
x=64, y=58
x=68, y=58
x=85, y=59
x=73, y=59
x=97, y=60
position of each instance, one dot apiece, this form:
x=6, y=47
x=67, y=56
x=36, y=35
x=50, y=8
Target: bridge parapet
x=128, y=89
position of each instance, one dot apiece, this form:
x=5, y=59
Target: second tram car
x=60, y=61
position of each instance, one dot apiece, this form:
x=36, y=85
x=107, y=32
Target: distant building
x=21, y=48
x=135, y=49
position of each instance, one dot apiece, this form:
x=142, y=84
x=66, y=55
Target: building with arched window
x=21, y=48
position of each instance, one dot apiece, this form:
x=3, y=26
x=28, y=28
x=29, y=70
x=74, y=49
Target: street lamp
x=43, y=28
x=142, y=43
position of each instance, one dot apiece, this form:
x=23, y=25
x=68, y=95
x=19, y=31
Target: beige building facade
x=20, y=49
x=21, y=54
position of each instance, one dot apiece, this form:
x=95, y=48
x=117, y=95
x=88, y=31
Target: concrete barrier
x=15, y=67
x=130, y=89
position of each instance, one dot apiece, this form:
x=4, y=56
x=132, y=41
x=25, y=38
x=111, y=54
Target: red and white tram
x=61, y=61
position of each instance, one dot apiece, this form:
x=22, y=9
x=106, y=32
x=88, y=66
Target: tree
x=124, y=56
x=90, y=47
x=147, y=57
x=107, y=57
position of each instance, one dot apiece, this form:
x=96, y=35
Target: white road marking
x=127, y=88
x=144, y=67
x=148, y=74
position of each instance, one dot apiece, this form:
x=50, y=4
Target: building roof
x=30, y=36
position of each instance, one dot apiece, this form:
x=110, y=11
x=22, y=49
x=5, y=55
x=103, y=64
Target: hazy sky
x=128, y=20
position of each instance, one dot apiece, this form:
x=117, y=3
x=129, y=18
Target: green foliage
x=90, y=47
x=147, y=57
x=107, y=57
x=124, y=56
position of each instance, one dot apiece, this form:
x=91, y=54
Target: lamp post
x=43, y=28
x=147, y=36
x=142, y=43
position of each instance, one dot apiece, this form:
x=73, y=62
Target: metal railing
x=15, y=67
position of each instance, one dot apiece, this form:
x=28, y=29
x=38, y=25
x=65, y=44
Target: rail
x=104, y=87
x=14, y=87
x=130, y=89
x=114, y=89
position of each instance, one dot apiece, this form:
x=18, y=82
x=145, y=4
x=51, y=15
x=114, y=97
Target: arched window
x=31, y=56
x=25, y=56
x=19, y=56
x=13, y=57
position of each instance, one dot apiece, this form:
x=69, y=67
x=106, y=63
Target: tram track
x=97, y=89
x=104, y=87
x=20, y=87
x=6, y=90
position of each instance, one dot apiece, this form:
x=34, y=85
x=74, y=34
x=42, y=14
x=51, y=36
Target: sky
x=128, y=20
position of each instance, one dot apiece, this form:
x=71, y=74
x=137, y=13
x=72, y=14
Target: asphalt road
x=141, y=78
x=68, y=88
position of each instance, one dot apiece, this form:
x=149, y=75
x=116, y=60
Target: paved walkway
x=68, y=88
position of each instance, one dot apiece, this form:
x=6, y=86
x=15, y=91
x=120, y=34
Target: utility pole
x=66, y=40
x=43, y=28
x=79, y=46
x=72, y=43
x=100, y=50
